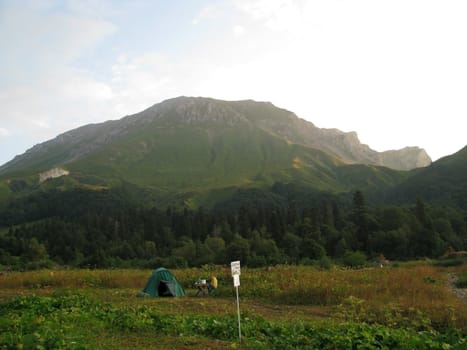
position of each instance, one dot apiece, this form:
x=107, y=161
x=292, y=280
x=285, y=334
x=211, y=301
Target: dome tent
x=162, y=283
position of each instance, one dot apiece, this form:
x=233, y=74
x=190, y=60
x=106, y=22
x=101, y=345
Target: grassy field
x=282, y=307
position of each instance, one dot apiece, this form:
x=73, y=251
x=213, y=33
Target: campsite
x=405, y=306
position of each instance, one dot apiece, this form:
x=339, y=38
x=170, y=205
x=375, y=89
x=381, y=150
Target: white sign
x=236, y=280
x=235, y=266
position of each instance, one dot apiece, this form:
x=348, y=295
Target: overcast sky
x=394, y=71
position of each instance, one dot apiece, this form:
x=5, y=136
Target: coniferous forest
x=82, y=228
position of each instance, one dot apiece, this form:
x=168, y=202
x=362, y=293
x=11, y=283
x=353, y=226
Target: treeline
x=100, y=229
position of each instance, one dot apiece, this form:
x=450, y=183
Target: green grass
x=462, y=280
x=282, y=307
x=204, y=163
x=449, y=262
x=80, y=322
x=4, y=193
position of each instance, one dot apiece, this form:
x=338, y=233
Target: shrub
x=325, y=262
x=354, y=259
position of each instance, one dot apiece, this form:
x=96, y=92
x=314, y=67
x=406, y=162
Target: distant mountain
x=443, y=182
x=76, y=144
x=193, y=147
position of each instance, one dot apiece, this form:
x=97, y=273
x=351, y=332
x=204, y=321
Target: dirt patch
x=460, y=292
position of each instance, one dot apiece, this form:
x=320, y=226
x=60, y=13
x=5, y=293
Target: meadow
x=283, y=307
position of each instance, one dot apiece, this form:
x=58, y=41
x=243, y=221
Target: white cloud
x=90, y=8
x=54, y=105
x=137, y=83
x=4, y=132
x=239, y=31
x=206, y=13
x=42, y=92
x=36, y=41
x=275, y=14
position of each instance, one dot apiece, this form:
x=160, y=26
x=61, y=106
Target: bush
x=257, y=261
x=325, y=262
x=177, y=262
x=307, y=262
x=354, y=259
x=154, y=263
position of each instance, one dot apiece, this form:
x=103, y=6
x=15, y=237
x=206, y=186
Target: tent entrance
x=166, y=289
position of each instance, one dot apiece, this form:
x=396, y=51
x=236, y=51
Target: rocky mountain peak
x=208, y=113
x=406, y=158
x=192, y=111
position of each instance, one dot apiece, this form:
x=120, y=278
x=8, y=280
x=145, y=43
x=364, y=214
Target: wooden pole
x=238, y=312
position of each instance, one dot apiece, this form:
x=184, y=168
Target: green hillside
x=188, y=152
x=444, y=182
x=197, y=161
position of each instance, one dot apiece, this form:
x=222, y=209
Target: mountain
x=443, y=182
x=197, y=148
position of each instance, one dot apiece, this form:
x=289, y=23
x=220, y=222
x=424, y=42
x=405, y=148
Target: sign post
x=235, y=266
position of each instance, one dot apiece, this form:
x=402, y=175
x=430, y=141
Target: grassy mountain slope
x=189, y=150
x=444, y=182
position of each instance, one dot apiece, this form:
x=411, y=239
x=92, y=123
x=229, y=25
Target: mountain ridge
x=191, y=150
x=81, y=141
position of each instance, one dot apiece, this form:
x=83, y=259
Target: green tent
x=162, y=283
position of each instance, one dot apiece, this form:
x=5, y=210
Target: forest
x=101, y=229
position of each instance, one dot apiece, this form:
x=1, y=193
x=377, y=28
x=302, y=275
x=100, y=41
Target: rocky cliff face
x=406, y=158
x=52, y=174
x=347, y=146
x=344, y=145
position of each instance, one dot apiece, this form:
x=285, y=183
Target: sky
x=393, y=71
